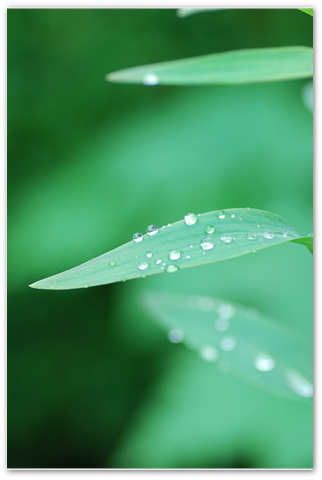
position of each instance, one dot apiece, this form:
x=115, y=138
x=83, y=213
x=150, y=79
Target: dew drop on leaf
x=190, y=218
x=148, y=254
x=226, y=238
x=176, y=335
x=221, y=214
x=251, y=236
x=210, y=229
x=143, y=265
x=137, y=237
x=264, y=362
x=175, y=254
x=171, y=268
x=208, y=353
x=151, y=79
x=111, y=264
x=268, y=235
x=207, y=244
x=152, y=230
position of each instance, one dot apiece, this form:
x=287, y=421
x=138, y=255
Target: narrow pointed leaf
x=194, y=241
x=234, y=67
x=237, y=340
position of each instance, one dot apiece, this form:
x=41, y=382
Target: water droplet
x=268, y=235
x=232, y=215
x=111, y=264
x=151, y=79
x=285, y=233
x=176, y=335
x=228, y=344
x=210, y=229
x=172, y=268
x=206, y=304
x=152, y=230
x=310, y=234
x=226, y=311
x=207, y=244
x=143, y=265
x=137, y=237
x=222, y=324
x=300, y=385
x=251, y=236
x=208, y=353
x=158, y=261
x=190, y=219
x=187, y=256
x=175, y=254
x=148, y=254
x=264, y=362
x=226, y=238
x=221, y=214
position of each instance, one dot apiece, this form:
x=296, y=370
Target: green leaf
x=309, y=11
x=195, y=240
x=234, y=67
x=239, y=340
x=186, y=12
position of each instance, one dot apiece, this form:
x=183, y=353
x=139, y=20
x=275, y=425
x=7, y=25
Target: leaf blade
x=236, y=232
x=234, y=67
x=237, y=339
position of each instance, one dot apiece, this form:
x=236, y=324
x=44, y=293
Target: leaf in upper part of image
x=237, y=339
x=233, y=67
x=195, y=240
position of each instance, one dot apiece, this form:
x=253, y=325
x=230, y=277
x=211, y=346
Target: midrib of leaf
x=237, y=232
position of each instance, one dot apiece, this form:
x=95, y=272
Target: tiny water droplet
x=226, y=311
x=171, y=268
x=158, y=261
x=300, y=385
x=222, y=324
x=232, y=215
x=207, y=244
x=285, y=233
x=176, y=335
x=228, y=344
x=175, y=254
x=148, y=254
x=143, y=265
x=251, y=236
x=190, y=218
x=221, y=214
x=151, y=79
x=208, y=353
x=187, y=256
x=264, y=362
x=210, y=229
x=152, y=230
x=226, y=238
x=111, y=264
x=137, y=237
x=268, y=235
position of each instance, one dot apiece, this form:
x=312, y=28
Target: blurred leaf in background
x=92, y=382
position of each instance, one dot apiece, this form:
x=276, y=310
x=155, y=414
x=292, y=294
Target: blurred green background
x=92, y=381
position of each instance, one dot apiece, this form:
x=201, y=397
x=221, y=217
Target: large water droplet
x=143, y=265
x=210, y=229
x=175, y=254
x=226, y=238
x=208, y=353
x=221, y=214
x=176, y=335
x=228, y=344
x=222, y=324
x=300, y=385
x=251, y=236
x=148, y=254
x=268, y=235
x=151, y=79
x=171, y=268
x=264, y=362
x=190, y=219
x=152, y=230
x=207, y=244
x=137, y=237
